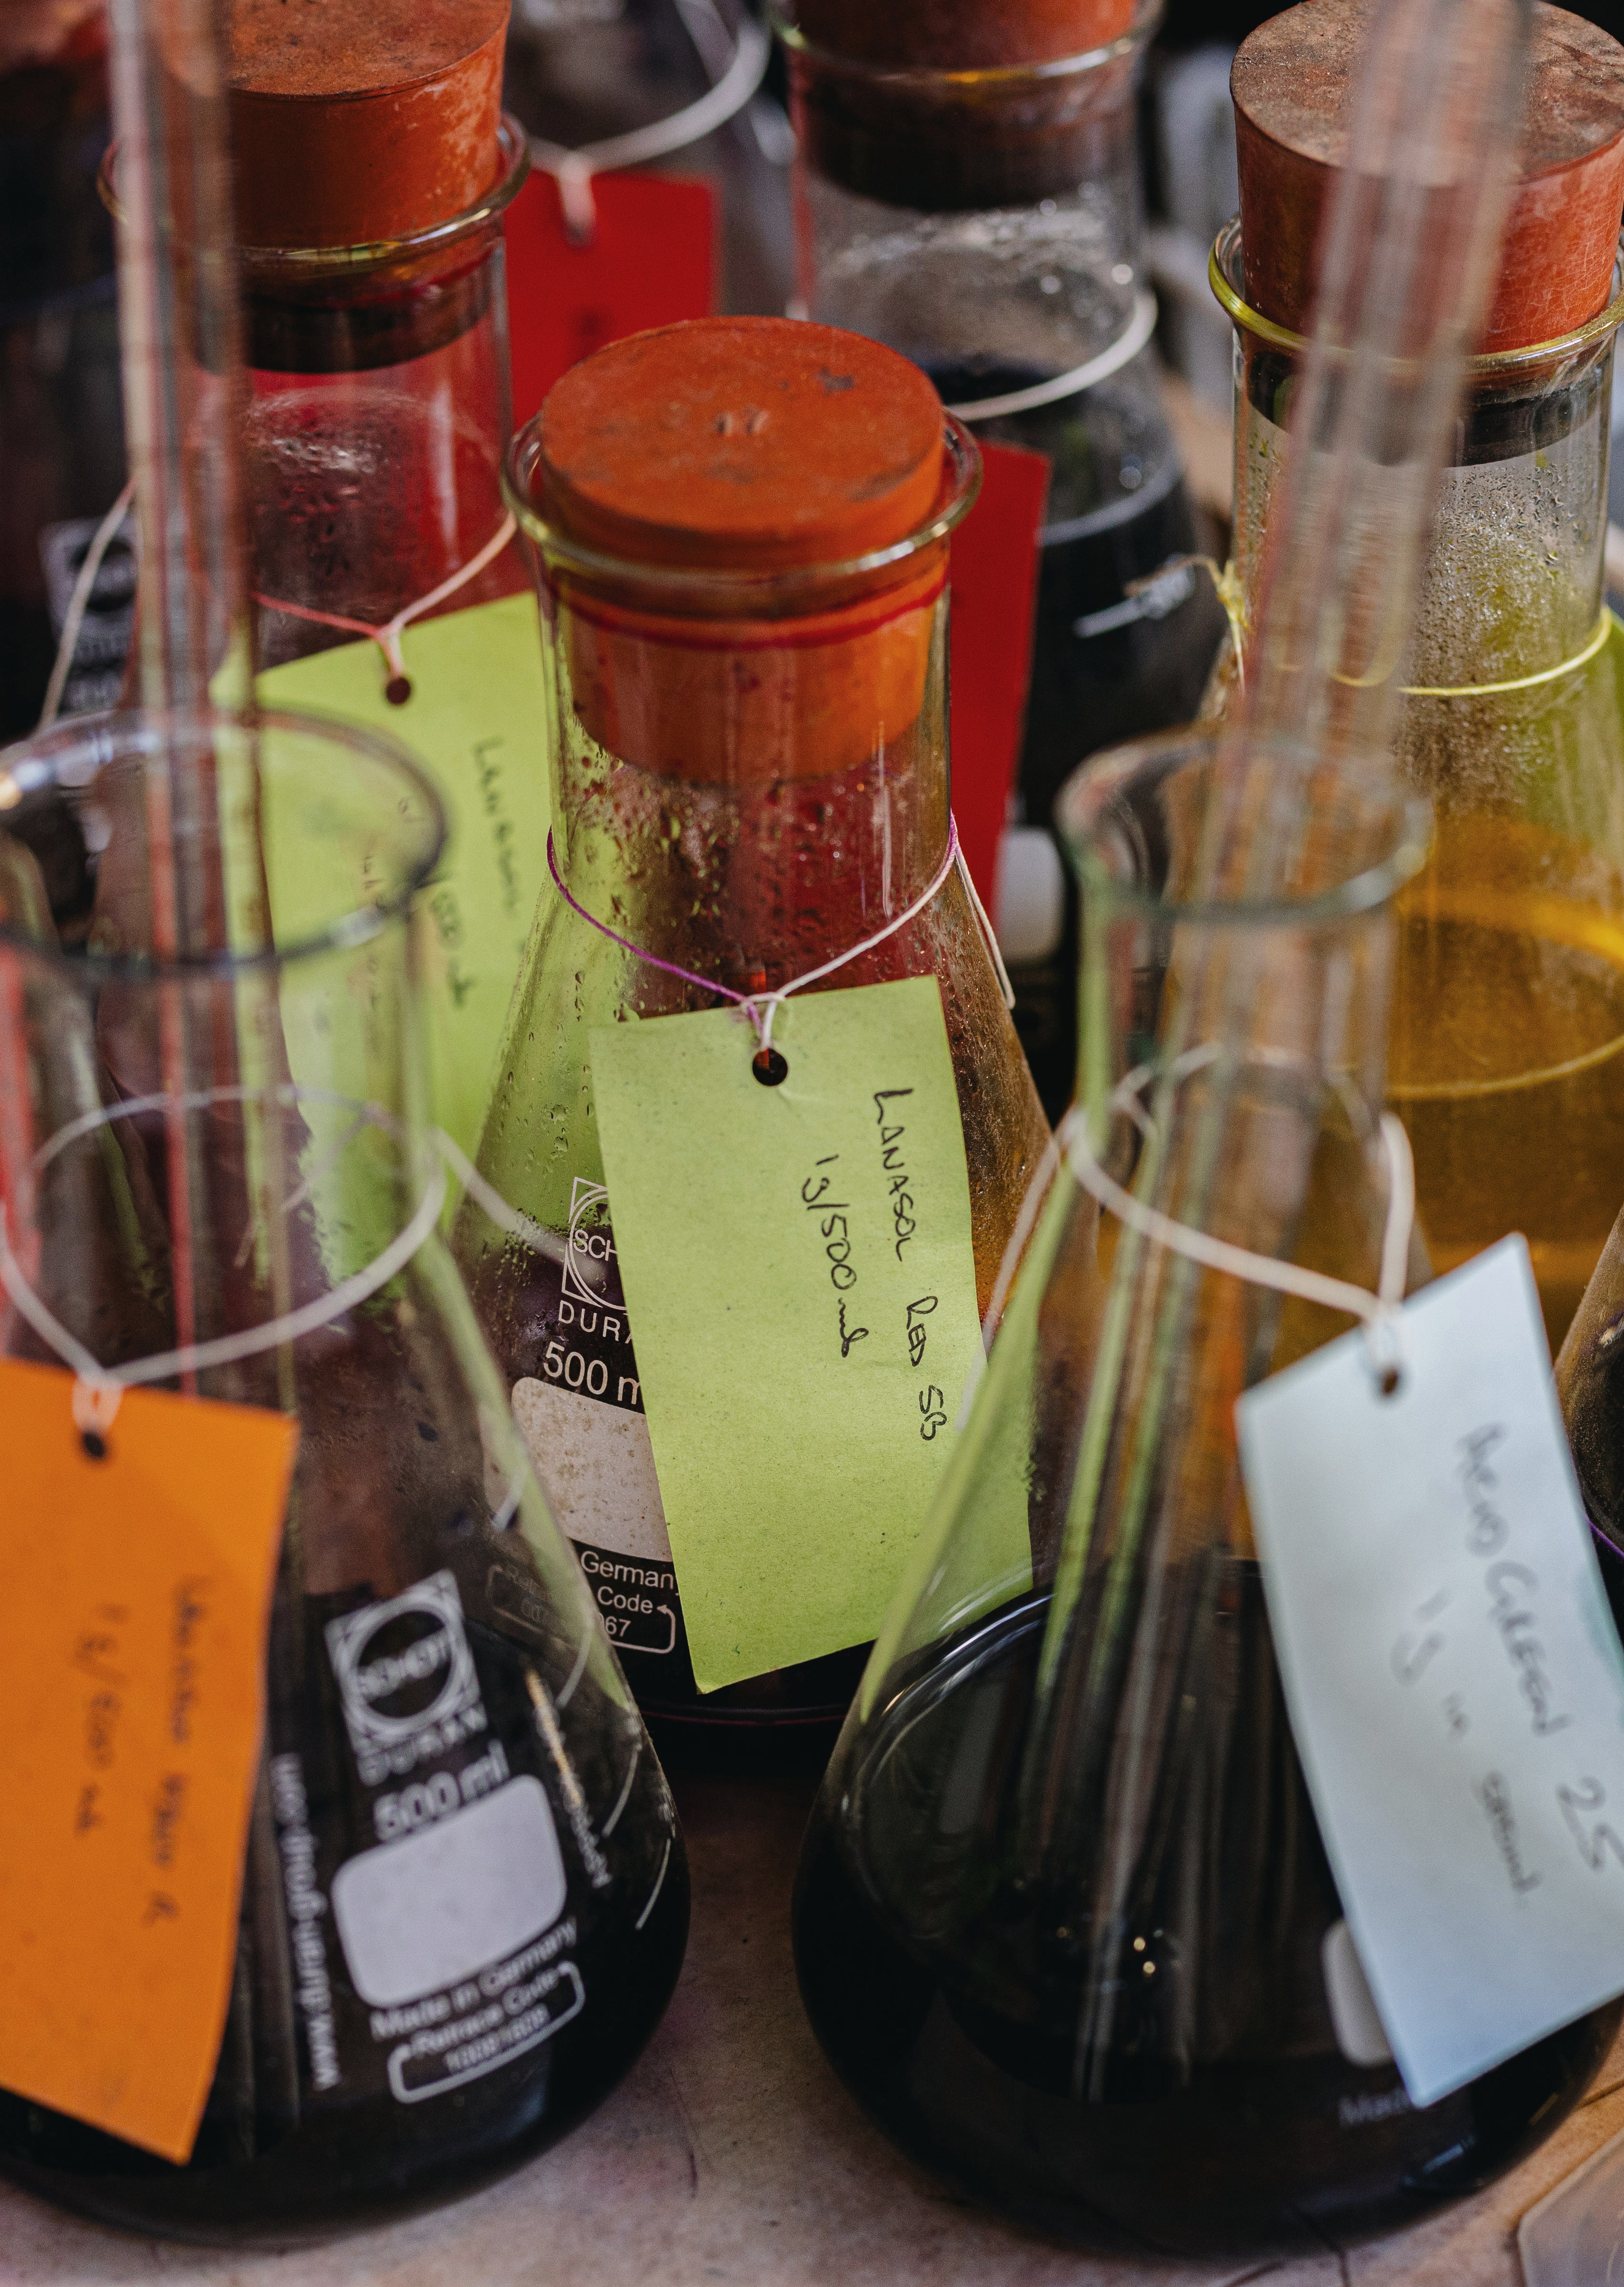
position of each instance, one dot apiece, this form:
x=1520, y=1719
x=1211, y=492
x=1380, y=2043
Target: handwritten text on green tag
x=476, y=722
x=801, y=1288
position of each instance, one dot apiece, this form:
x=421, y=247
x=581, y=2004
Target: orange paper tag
x=135, y=1595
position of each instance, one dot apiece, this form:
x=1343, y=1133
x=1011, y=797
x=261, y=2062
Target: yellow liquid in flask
x=1507, y=1063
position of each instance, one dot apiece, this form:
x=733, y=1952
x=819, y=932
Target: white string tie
x=1141, y=325
x=762, y=1008
x=1381, y=1313
x=388, y=636
x=575, y=169
x=1378, y=1313
x=98, y=1389
x=78, y=603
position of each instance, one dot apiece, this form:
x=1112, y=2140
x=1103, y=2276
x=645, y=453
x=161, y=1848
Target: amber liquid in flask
x=747, y=641
x=1507, y=1018
x=464, y=1898
x=1064, y=1919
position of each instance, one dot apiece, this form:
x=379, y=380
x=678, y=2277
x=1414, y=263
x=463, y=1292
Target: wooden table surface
x=731, y=2158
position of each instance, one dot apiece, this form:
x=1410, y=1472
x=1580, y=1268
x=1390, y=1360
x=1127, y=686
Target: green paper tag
x=476, y=721
x=801, y=1288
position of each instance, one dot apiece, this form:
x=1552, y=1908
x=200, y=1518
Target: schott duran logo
x=407, y=1679
x=589, y=1248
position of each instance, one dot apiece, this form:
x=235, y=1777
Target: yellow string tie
x=1227, y=586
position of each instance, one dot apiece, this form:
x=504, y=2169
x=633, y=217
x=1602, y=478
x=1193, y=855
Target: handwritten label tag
x=477, y=721
x=132, y=1636
x=651, y=260
x=995, y=582
x=801, y=1287
x=1455, y=1682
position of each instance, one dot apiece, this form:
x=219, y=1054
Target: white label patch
x=597, y=1466
x=426, y=1912
x=1455, y=1682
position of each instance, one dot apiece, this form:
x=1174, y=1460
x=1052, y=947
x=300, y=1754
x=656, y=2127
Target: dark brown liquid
x=326, y=2109
x=1214, y=2111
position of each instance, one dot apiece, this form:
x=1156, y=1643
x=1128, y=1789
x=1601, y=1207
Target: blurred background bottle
x=968, y=191
x=61, y=422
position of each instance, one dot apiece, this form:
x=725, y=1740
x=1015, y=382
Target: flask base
x=251, y=2183
x=969, y=2065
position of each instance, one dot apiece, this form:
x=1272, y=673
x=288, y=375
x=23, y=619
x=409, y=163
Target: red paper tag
x=651, y=261
x=995, y=579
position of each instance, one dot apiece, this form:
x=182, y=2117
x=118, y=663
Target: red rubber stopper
x=354, y=122
x=746, y=443
x=1291, y=84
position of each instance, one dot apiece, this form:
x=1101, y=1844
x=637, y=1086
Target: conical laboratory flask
x=1507, y=1060
x=465, y=1896
x=1064, y=1919
x=387, y=581
x=968, y=183
x=741, y=530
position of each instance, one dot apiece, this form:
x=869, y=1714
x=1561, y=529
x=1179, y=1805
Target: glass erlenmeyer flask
x=1508, y=1030
x=581, y=72
x=1064, y=1919
x=465, y=1896
x=741, y=530
x=377, y=410
x=967, y=185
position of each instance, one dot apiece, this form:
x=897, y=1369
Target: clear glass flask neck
x=1514, y=584
x=950, y=213
x=751, y=769
x=379, y=407
x=1508, y=1007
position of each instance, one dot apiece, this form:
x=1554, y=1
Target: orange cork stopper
x=747, y=444
x=1293, y=83
x=750, y=446
x=963, y=34
x=354, y=122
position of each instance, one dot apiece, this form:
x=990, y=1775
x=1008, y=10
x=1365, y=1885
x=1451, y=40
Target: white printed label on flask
x=441, y=1904
x=453, y=1928
x=1454, y=1678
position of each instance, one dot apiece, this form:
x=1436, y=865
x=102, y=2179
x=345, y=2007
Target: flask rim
x=710, y=591
x=316, y=265
x=1091, y=802
x=974, y=83
x=1223, y=269
x=86, y=745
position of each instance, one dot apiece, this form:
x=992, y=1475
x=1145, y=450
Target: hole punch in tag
x=132, y=1638
x=800, y=1283
x=1455, y=1679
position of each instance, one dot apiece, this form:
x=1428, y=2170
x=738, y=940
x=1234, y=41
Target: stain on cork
x=746, y=443
x=1293, y=85
x=359, y=120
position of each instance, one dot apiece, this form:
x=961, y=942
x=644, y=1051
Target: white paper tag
x=1455, y=1682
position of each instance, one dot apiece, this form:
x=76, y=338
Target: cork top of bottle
x=963, y=34
x=747, y=444
x=1292, y=85
x=360, y=121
